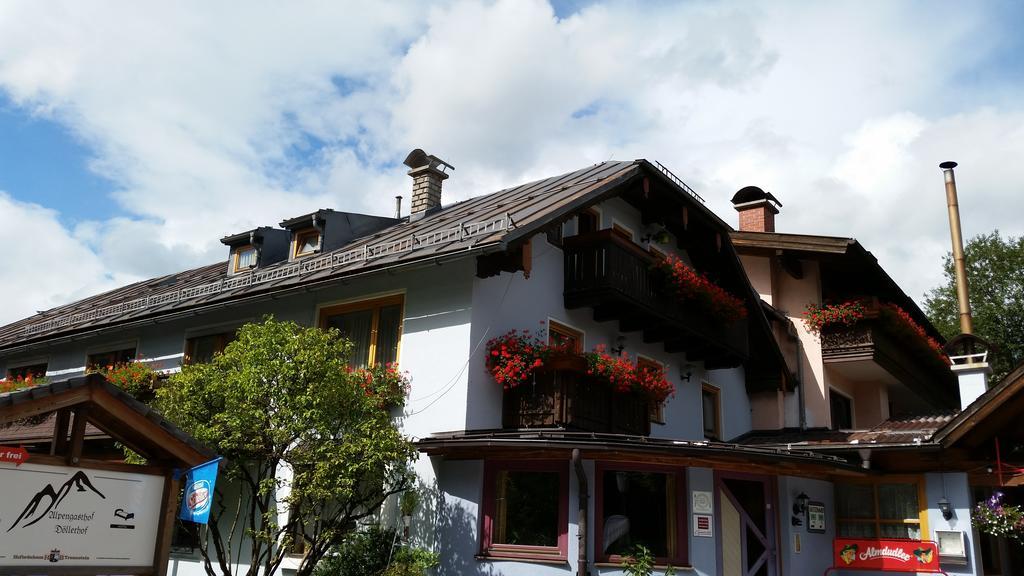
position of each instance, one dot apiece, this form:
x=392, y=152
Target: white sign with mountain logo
x=62, y=516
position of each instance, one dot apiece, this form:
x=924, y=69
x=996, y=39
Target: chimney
x=967, y=352
x=428, y=172
x=757, y=209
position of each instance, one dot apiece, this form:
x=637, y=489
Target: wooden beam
x=44, y=405
x=77, y=436
x=59, y=443
x=165, y=530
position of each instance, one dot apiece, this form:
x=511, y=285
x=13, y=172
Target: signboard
x=11, y=454
x=893, y=555
x=703, y=525
x=703, y=502
x=60, y=515
x=815, y=517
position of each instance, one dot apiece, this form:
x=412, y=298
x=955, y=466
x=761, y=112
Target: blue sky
x=132, y=137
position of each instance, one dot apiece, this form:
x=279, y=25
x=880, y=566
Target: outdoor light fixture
x=688, y=372
x=945, y=508
x=800, y=504
x=800, y=508
x=621, y=346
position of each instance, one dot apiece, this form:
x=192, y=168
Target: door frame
x=771, y=521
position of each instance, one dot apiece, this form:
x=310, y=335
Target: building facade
x=765, y=452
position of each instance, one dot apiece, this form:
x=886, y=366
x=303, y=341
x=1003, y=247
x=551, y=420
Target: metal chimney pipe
x=958, y=248
x=398, y=206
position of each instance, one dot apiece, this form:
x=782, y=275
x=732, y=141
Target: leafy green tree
x=281, y=397
x=995, y=275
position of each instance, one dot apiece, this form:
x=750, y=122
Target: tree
x=281, y=397
x=995, y=275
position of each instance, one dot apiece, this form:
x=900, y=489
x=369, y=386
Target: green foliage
x=362, y=553
x=372, y=552
x=281, y=395
x=135, y=378
x=640, y=562
x=409, y=501
x=995, y=275
x=411, y=562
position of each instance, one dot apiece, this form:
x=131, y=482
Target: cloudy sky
x=133, y=136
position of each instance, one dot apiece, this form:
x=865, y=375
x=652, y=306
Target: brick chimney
x=428, y=172
x=757, y=209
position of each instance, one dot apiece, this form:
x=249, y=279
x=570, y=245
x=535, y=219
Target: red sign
x=17, y=455
x=892, y=555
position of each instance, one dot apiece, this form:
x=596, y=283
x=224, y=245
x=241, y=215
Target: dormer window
x=306, y=242
x=245, y=258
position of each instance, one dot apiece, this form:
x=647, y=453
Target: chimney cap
x=420, y=159
x=948, y=165
x=753, y=194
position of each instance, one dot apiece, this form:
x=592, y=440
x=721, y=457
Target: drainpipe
x=581, y=524
x=801, y=402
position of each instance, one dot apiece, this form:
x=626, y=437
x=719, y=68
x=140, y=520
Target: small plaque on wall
x=952, y=546
x=815, y=517
x=703, y=502
x=703, y=525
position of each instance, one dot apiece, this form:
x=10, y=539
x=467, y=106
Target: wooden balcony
x=564, y=396
x=871, y=350
x=614, y=276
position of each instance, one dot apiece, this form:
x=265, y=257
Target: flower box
x=563, y=395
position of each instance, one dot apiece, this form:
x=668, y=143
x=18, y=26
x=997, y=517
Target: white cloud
x=211, y=119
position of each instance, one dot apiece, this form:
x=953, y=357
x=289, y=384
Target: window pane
x=307, y=242
x=33, y=370
x=855, y=501
x=710, y=408
x=388, y=329
x=912, y=531
x=107, y=359
x=526, y=511
x=636, y=510
x=355, y=326
x=246, y=258
x=856, y=529
x=202, y=348
x=897, y=501
x=842, y=411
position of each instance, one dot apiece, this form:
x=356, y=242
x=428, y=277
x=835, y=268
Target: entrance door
x=746, y=526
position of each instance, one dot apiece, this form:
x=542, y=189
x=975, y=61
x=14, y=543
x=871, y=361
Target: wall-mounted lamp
x=685, y=372
x=800, y=508
x=660, y=236
x=620, y=347
x=945, y=508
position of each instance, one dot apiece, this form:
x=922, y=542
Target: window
x=373, y=327
x=640, y=505
x=306, y=242
x=841, y=408
x=201, y=349
x=711, y=410
x=184, y=537
x=100, y=360
x=569, y=339
x=33, y=370
x=588, y=221
x=526, y=510
x=245, y=258
x=889, y=509
x=657, y=411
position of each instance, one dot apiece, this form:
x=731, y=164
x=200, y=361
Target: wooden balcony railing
x=614, y=276
x=908, y=360
x=564, y=396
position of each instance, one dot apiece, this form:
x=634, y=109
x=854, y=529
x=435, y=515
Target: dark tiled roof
x=476, y=223
x=52, y=389
x=908, y=431
x=39, y=429
x=558, y=438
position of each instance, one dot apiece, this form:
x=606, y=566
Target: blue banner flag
x=199, y=484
